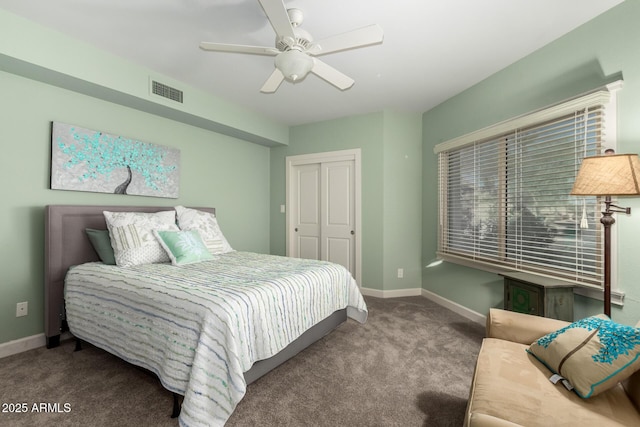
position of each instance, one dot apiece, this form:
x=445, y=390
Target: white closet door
x=323, y=205
x=337, y=217
x=306, y=211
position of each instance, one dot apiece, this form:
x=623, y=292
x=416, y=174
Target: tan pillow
x=206, y=224
x=593, y=354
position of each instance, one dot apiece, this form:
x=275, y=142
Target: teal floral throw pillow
x=183, y=247
x=592, y=354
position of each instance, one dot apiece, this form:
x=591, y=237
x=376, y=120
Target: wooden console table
x=541, y=296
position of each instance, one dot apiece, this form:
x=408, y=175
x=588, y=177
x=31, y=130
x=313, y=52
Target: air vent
x=166, y=91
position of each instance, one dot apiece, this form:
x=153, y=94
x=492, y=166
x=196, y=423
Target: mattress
x=198, y=327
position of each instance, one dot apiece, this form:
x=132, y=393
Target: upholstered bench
x=512, y=387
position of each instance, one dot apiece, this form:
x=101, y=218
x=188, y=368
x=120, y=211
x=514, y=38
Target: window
x=504, y=193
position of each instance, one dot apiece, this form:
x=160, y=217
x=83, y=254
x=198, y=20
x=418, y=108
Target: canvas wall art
x=88, y=160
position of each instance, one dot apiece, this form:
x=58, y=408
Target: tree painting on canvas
x=87, y=160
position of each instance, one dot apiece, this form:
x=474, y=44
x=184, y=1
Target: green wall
x=402, y=210
x=391, y=189
x=216, y=170
x=42, y=54
x=596, y=53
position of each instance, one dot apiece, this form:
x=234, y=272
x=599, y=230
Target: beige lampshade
x=608, y=175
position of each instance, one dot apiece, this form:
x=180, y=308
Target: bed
x=200, y=332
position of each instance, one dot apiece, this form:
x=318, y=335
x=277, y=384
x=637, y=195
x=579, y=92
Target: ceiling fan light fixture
x=295, y=50
x=294, y=64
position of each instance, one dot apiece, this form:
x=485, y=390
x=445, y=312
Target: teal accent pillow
x=183, y=247
x=593, y=354
x=101, y=243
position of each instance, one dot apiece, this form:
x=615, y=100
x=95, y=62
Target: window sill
x=617, y=296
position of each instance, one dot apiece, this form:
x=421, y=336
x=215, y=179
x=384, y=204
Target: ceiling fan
x=295, y=51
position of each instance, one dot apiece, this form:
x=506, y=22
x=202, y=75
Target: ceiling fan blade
x=331, y=75
x=277, y=14
x=365, y=36
x=273, y=82
x=238, y=48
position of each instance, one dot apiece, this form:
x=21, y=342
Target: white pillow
x=132, y=236
x=207, y=225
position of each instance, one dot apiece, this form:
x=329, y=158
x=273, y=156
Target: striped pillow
x=132, y=236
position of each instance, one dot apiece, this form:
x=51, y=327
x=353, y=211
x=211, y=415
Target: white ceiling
x=432, y=50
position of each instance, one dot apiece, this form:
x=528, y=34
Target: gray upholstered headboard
x=67, y=244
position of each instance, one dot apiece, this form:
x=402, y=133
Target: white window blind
x=504, y=194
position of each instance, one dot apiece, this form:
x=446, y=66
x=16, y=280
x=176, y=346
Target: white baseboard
x=396, y=293
x=23, y=344
x=28, y=343
x=455, y=307
x=413, y=292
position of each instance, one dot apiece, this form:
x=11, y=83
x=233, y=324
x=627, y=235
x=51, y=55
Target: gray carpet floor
x=410, y=365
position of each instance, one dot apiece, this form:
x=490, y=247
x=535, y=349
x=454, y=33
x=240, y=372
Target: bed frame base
x=310, y=336
x=53, y=341
x=176, y=405
x=262, y=367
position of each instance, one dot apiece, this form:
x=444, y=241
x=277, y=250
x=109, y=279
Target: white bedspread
x=200, y=326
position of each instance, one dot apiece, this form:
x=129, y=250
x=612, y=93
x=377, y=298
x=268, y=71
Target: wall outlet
x=22, y=309
x=400, y=273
